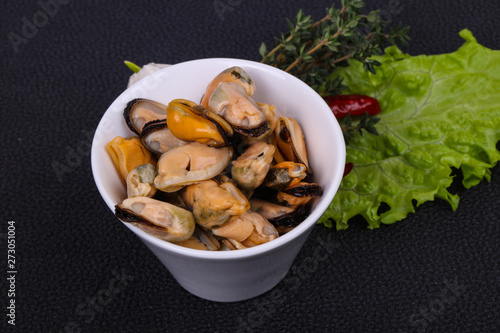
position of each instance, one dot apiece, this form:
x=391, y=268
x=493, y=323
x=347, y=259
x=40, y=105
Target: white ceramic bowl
x=228, y=276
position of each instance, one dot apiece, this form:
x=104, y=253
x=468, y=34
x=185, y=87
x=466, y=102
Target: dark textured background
x=436, y=271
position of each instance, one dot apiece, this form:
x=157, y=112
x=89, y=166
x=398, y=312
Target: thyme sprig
x=349, y=127
x=311, y=50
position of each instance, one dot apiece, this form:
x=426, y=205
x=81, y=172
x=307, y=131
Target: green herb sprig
x=349, y=127
x=312, y=50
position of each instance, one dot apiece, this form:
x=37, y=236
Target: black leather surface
x=80, y=270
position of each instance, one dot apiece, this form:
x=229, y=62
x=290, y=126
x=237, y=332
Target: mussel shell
x=157, y=111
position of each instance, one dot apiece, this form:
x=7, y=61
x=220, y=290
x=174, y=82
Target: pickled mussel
x=190, y=122
x=232, y=74
x=141, y=111
x=250, y=169
x=268, y=136
x=140, y=181
x=161, y=219
x=189, y=164
x=230, y=101
x=285, y=174
x=127, y=154
x=290, y=141
x=213, y=204
x=249, y=229
x=157, y=137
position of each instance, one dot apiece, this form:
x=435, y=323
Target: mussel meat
x=207, y=199
x=231, y=102
x=189, y=164
x=249, y=228
x=141, y=111
x=290, y=141
x=270, y=113
x=250, y=168
x=158, y=218
x=285, y=174
x=232, y=74
x=127, y=154
x=140, y=181
x=214, y=204
x=157, y=137
x=191, y=122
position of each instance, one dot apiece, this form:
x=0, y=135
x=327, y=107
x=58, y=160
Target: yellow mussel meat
x=191, y=122
x=128, y=153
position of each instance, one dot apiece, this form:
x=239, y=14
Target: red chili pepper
x=348, y=168
x=355, y=105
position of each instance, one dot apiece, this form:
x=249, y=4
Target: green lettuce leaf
x=438, y=112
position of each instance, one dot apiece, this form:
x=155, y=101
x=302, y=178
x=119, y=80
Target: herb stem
x=292, y=65
x=326, y=18
x=276, y=49
x=314, y=49
x=347, y=56
x=279, y=46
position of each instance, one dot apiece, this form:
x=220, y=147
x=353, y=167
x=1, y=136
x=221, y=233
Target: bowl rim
x=261, y=249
